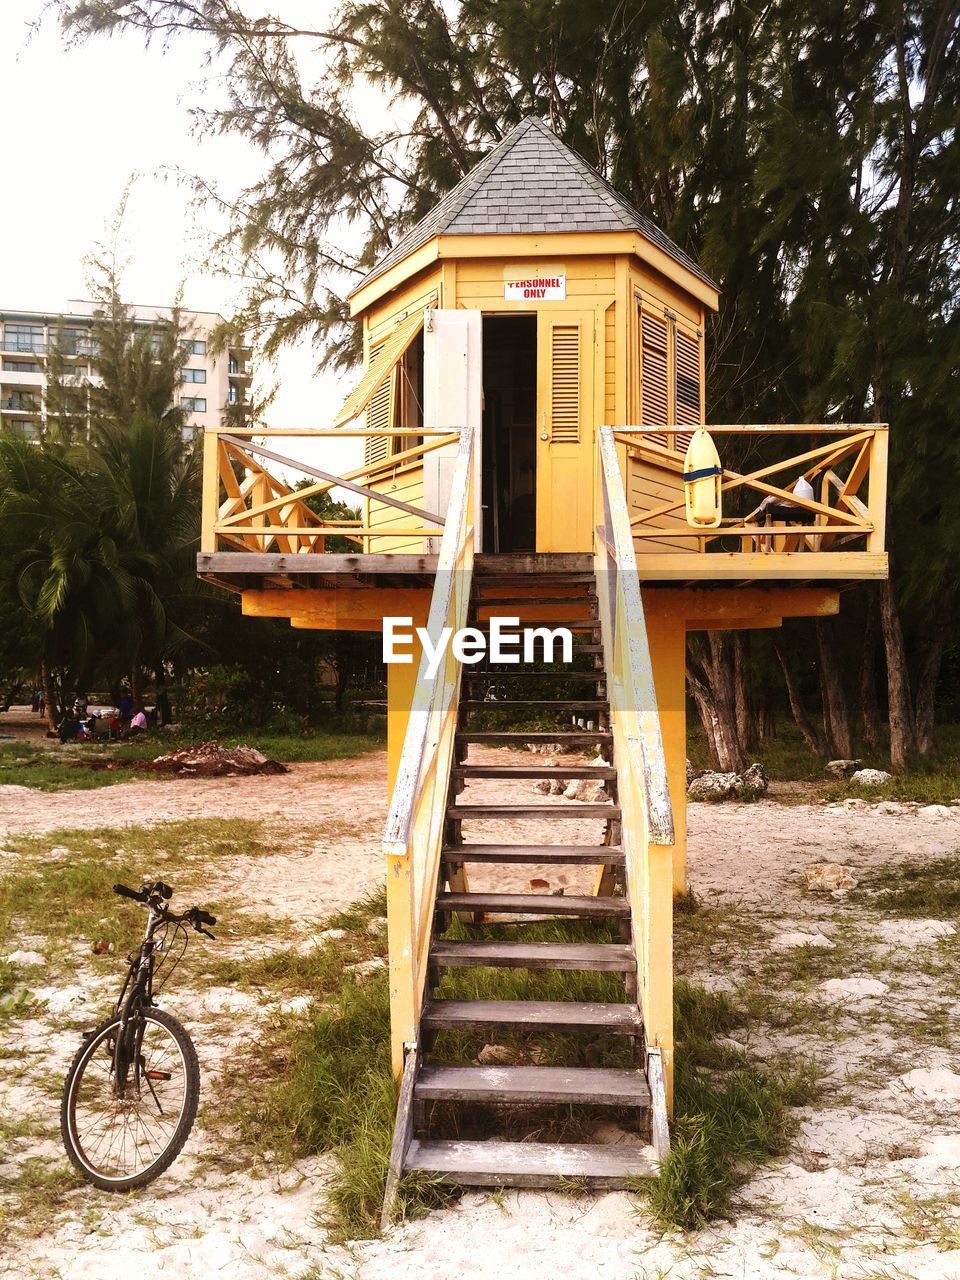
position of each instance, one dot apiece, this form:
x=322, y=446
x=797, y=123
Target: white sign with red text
x=536, y=289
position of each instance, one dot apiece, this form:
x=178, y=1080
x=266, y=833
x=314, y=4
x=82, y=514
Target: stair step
x=541, y=904
x=567, y=1015
x=576, y=648
x=565, y=771
x=570, y=624
x=465, y=812
x=593, y=957
x=471, y=673
x=571, y=855
x=502, y=598
x=556, y=704
x=592, y=1086
x=576, y=737
x=529, y=1164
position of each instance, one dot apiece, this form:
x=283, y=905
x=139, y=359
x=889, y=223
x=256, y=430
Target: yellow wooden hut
x=533, y=373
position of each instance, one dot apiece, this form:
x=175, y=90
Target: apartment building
x=209, y=382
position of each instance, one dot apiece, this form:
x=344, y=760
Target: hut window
x=688, y=379
x=380, y=414
x=653, y=370
x=410, y=396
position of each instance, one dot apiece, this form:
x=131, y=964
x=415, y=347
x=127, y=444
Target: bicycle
x=130, y=1096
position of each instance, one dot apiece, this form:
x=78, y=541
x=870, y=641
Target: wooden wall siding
x=565, y=373
x=379, y=322
x=649, y=485
x=407, y=485
x=610, y=365
x=590, y=282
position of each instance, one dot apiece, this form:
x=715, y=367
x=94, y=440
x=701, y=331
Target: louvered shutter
x=653, y=370
x=689, y=412
x=380, y=418
x=565, y=384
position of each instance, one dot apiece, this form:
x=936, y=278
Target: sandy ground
x=871, y=1187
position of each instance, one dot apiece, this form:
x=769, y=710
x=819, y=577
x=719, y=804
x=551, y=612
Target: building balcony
x=18, y=402
x=23, y=346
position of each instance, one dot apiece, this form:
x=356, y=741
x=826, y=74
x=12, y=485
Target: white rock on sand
x=787, y=941
x=933, y=1084
x=853, y=988
x=25, y=957
x=936, y=811
x=914, y=933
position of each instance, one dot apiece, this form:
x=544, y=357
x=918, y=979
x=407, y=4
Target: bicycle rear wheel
x=121, y=1143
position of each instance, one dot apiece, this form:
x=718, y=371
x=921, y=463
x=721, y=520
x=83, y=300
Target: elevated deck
x=264, y=570
x=261, y=532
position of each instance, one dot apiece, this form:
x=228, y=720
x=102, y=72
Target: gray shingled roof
x=530, y=182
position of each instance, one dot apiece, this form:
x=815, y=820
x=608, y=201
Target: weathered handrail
x=413, y=836
x=647, y=829
x=633, y=699
x=850, y=468
x=246, y=508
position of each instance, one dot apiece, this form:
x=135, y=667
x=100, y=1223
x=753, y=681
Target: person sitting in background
x=138, y=724
x=125, y=708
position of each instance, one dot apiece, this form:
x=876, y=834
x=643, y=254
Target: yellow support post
x=667, y=638
x=210, y=498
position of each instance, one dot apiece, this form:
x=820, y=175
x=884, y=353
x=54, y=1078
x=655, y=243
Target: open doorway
x=509, y=433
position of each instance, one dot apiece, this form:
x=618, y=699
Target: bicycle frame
x=139, y=981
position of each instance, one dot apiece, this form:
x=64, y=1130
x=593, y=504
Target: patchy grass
x=63, y=889
x=729, y=1115
x=922, y=890
x=323, y=1083
x=37, y=1191
x=55, y=767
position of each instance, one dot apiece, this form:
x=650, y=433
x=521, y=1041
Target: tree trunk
x=925, y=709
x=49, y=695
x=713, y=687
x=803, y=721
x=163, y=699
x=870, y=718
x=704, y=704
x=903, y=733
x=836, y=711
x=747, y=728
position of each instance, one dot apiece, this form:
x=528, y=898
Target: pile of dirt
x=211, y=760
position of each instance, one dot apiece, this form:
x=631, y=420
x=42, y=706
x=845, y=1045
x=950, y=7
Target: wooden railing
x=247, y=508
x=414, y=833
x=848, y=474
x=642, y=787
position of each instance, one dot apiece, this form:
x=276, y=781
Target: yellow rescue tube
x=702, y=477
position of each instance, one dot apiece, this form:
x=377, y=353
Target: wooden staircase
x=573, y=1046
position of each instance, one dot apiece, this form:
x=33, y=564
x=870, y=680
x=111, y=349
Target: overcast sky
x=82, y=124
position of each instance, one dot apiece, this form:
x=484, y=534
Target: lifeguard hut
x=534, y=368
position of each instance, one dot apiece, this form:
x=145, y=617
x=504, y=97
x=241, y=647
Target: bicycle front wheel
x=121, y=1138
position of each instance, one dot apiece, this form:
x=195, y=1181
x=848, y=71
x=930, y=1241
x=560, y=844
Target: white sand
x=885, y=1128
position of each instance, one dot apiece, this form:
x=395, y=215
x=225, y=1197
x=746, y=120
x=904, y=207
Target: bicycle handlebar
x=136, y=894
x=195, y=916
